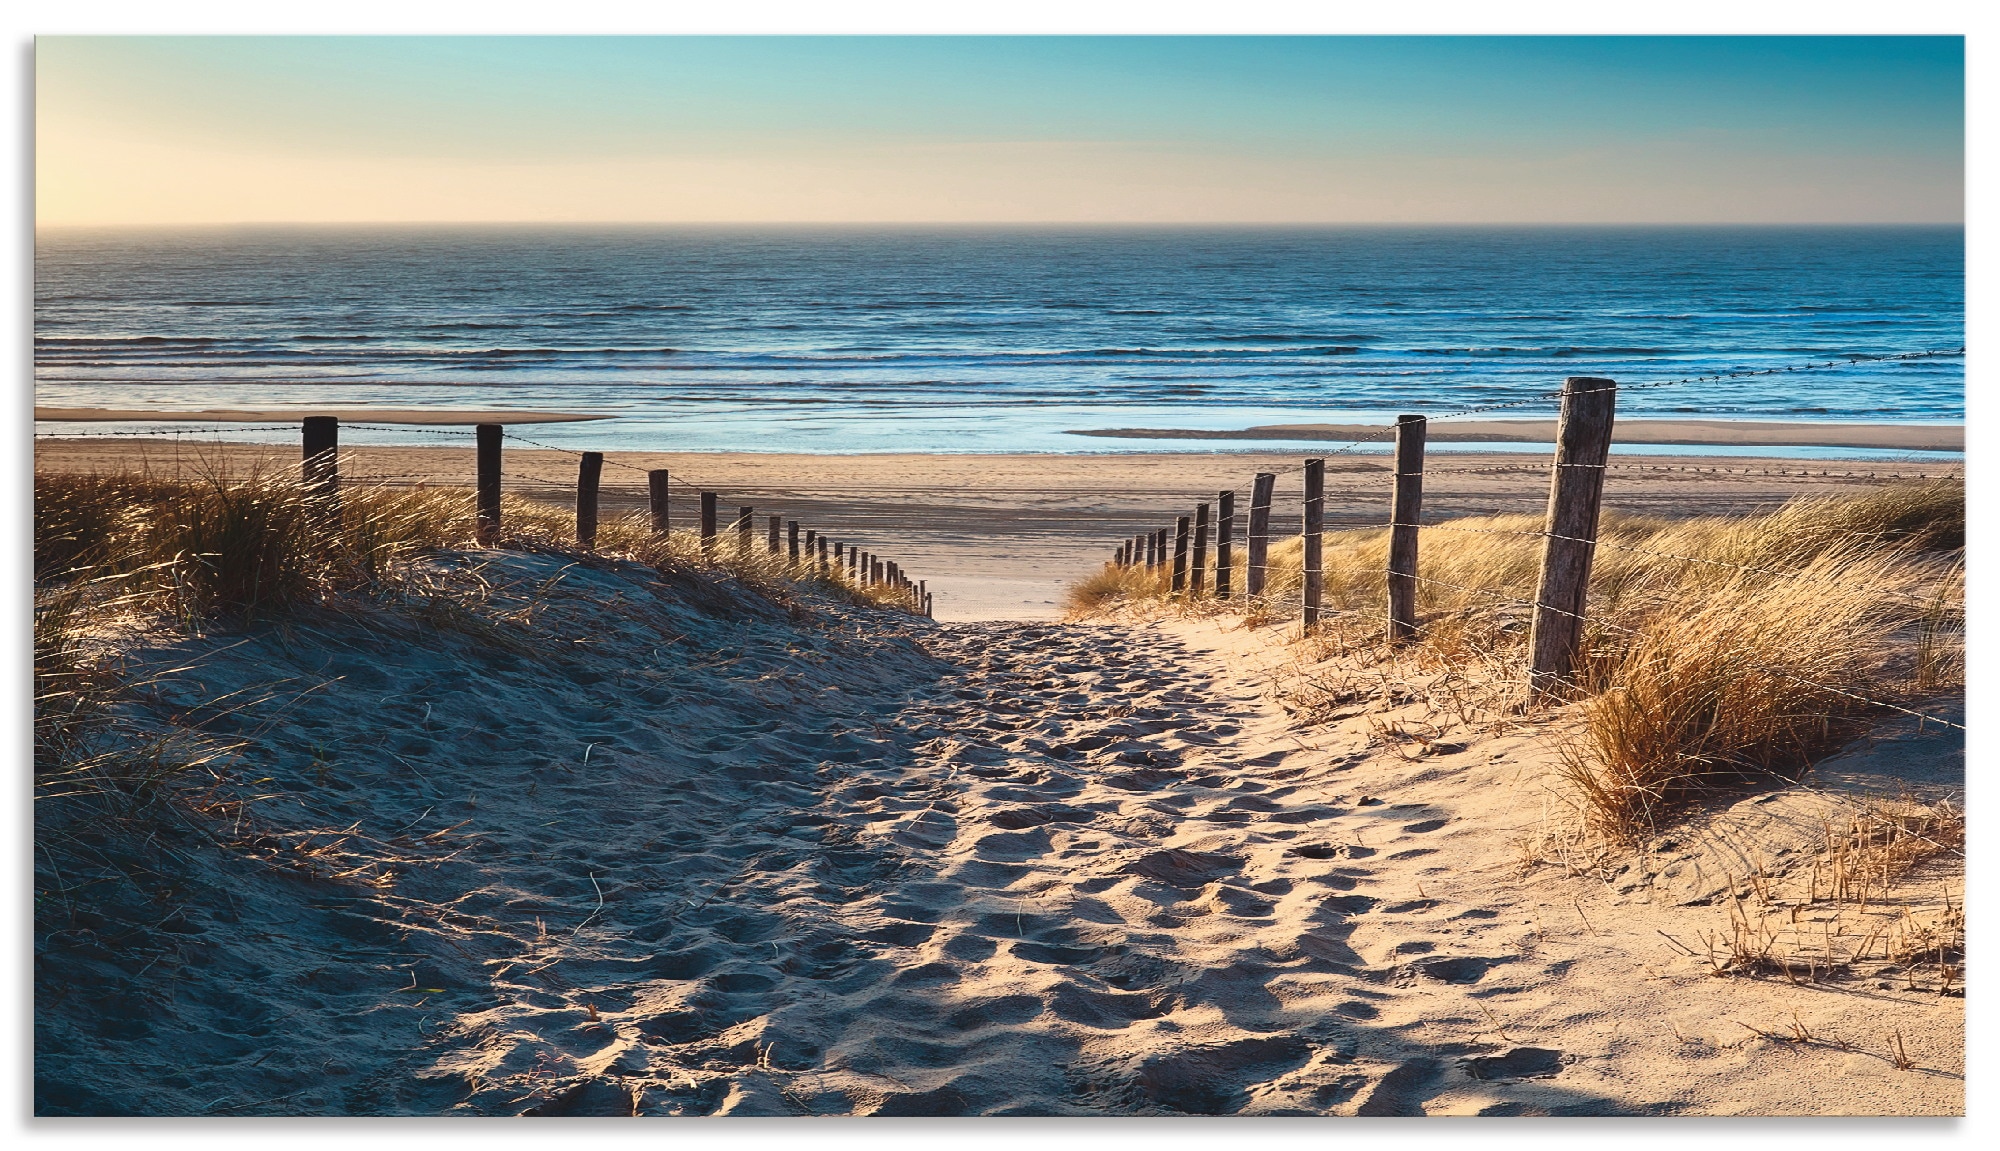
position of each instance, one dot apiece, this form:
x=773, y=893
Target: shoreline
x=1682, y=433
x=417, y=416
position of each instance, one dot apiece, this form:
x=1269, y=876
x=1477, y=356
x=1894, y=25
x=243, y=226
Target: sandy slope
x=672, y=849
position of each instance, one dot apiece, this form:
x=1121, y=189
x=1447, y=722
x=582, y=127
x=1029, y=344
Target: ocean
x=993, y=339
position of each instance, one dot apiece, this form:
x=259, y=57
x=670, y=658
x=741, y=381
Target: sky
x=1099, y=130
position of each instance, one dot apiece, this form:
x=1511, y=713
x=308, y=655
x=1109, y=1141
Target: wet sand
x=425, y=416
x=1001, y=536
x=1733, y=433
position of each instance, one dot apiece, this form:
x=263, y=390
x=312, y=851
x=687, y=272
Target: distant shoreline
x=1735, y=433
x=431, y=416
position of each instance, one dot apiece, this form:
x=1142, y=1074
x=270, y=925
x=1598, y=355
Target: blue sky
x=1115, y=129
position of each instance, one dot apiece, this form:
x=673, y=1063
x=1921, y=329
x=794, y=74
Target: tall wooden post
x=746, y=526
x=1576, y=491
x=811, y=541
x=1260, y=532
x=1180, y=555
x=1197, y=579
x=589, y=470
x=822, y=555
x=321, y=466
x=486, y=440
x=1405, y=512
x=1160, y=541
x=656, y=498
x=1315, y=524
x=1225, y=530
x=708, y=524
x=771, y=545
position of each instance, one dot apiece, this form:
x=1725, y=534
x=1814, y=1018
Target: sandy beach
x=629, y=846
x=1001, y=536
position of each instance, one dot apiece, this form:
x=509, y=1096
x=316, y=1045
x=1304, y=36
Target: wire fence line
x=1576, y=477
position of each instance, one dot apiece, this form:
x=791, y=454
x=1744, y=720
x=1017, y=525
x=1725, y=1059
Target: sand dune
x=604, y=844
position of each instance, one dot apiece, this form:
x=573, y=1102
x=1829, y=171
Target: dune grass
x=217, y=546
x=1718, y=647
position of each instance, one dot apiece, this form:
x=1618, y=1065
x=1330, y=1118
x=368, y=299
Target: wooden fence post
x=792, y=541
x=822, y=556
x=1260, y=532
x=487, y=450
x=1576, y=491
x=708, y=525
x=1225, y=529
x=1405, y=511
x=1180, y=555
x=746, y=527
x=1315, y=523
x=1160, y=538
x=321, y=468
x=812, y=538
x=589, y=470
x=771, y=544
x=656, y=498
x=1198, y=577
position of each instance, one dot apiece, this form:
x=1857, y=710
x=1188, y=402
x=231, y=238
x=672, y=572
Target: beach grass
x=216, y=546
x=1717, y=647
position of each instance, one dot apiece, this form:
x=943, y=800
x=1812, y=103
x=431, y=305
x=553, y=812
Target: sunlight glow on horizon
x=999, y=130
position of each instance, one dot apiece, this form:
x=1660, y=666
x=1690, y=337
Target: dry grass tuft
x=1725, y=682
x=1718, y=647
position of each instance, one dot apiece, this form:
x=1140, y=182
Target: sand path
x=1091, y=869
x=685, y=854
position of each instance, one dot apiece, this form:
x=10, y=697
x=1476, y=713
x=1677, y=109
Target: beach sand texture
x=669, y=849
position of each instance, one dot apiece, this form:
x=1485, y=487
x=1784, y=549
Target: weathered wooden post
x=792, y=541
x=1161, y=543
x=1576, y=491
x=1260, y=533
x=1180, y=556
x=875, y=573
x=321, y=466
x=771, y=542
x=746, y=526
x=1152, y=553
x=656, y=498
x=1225, y=528
x=589, y=470
x=1198, y=578
x=1405, y=512
x=708, y=525
x=822, y=556
x=486, y=449
x=1315, y=523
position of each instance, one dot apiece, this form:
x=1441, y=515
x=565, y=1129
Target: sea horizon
x=970, y=338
